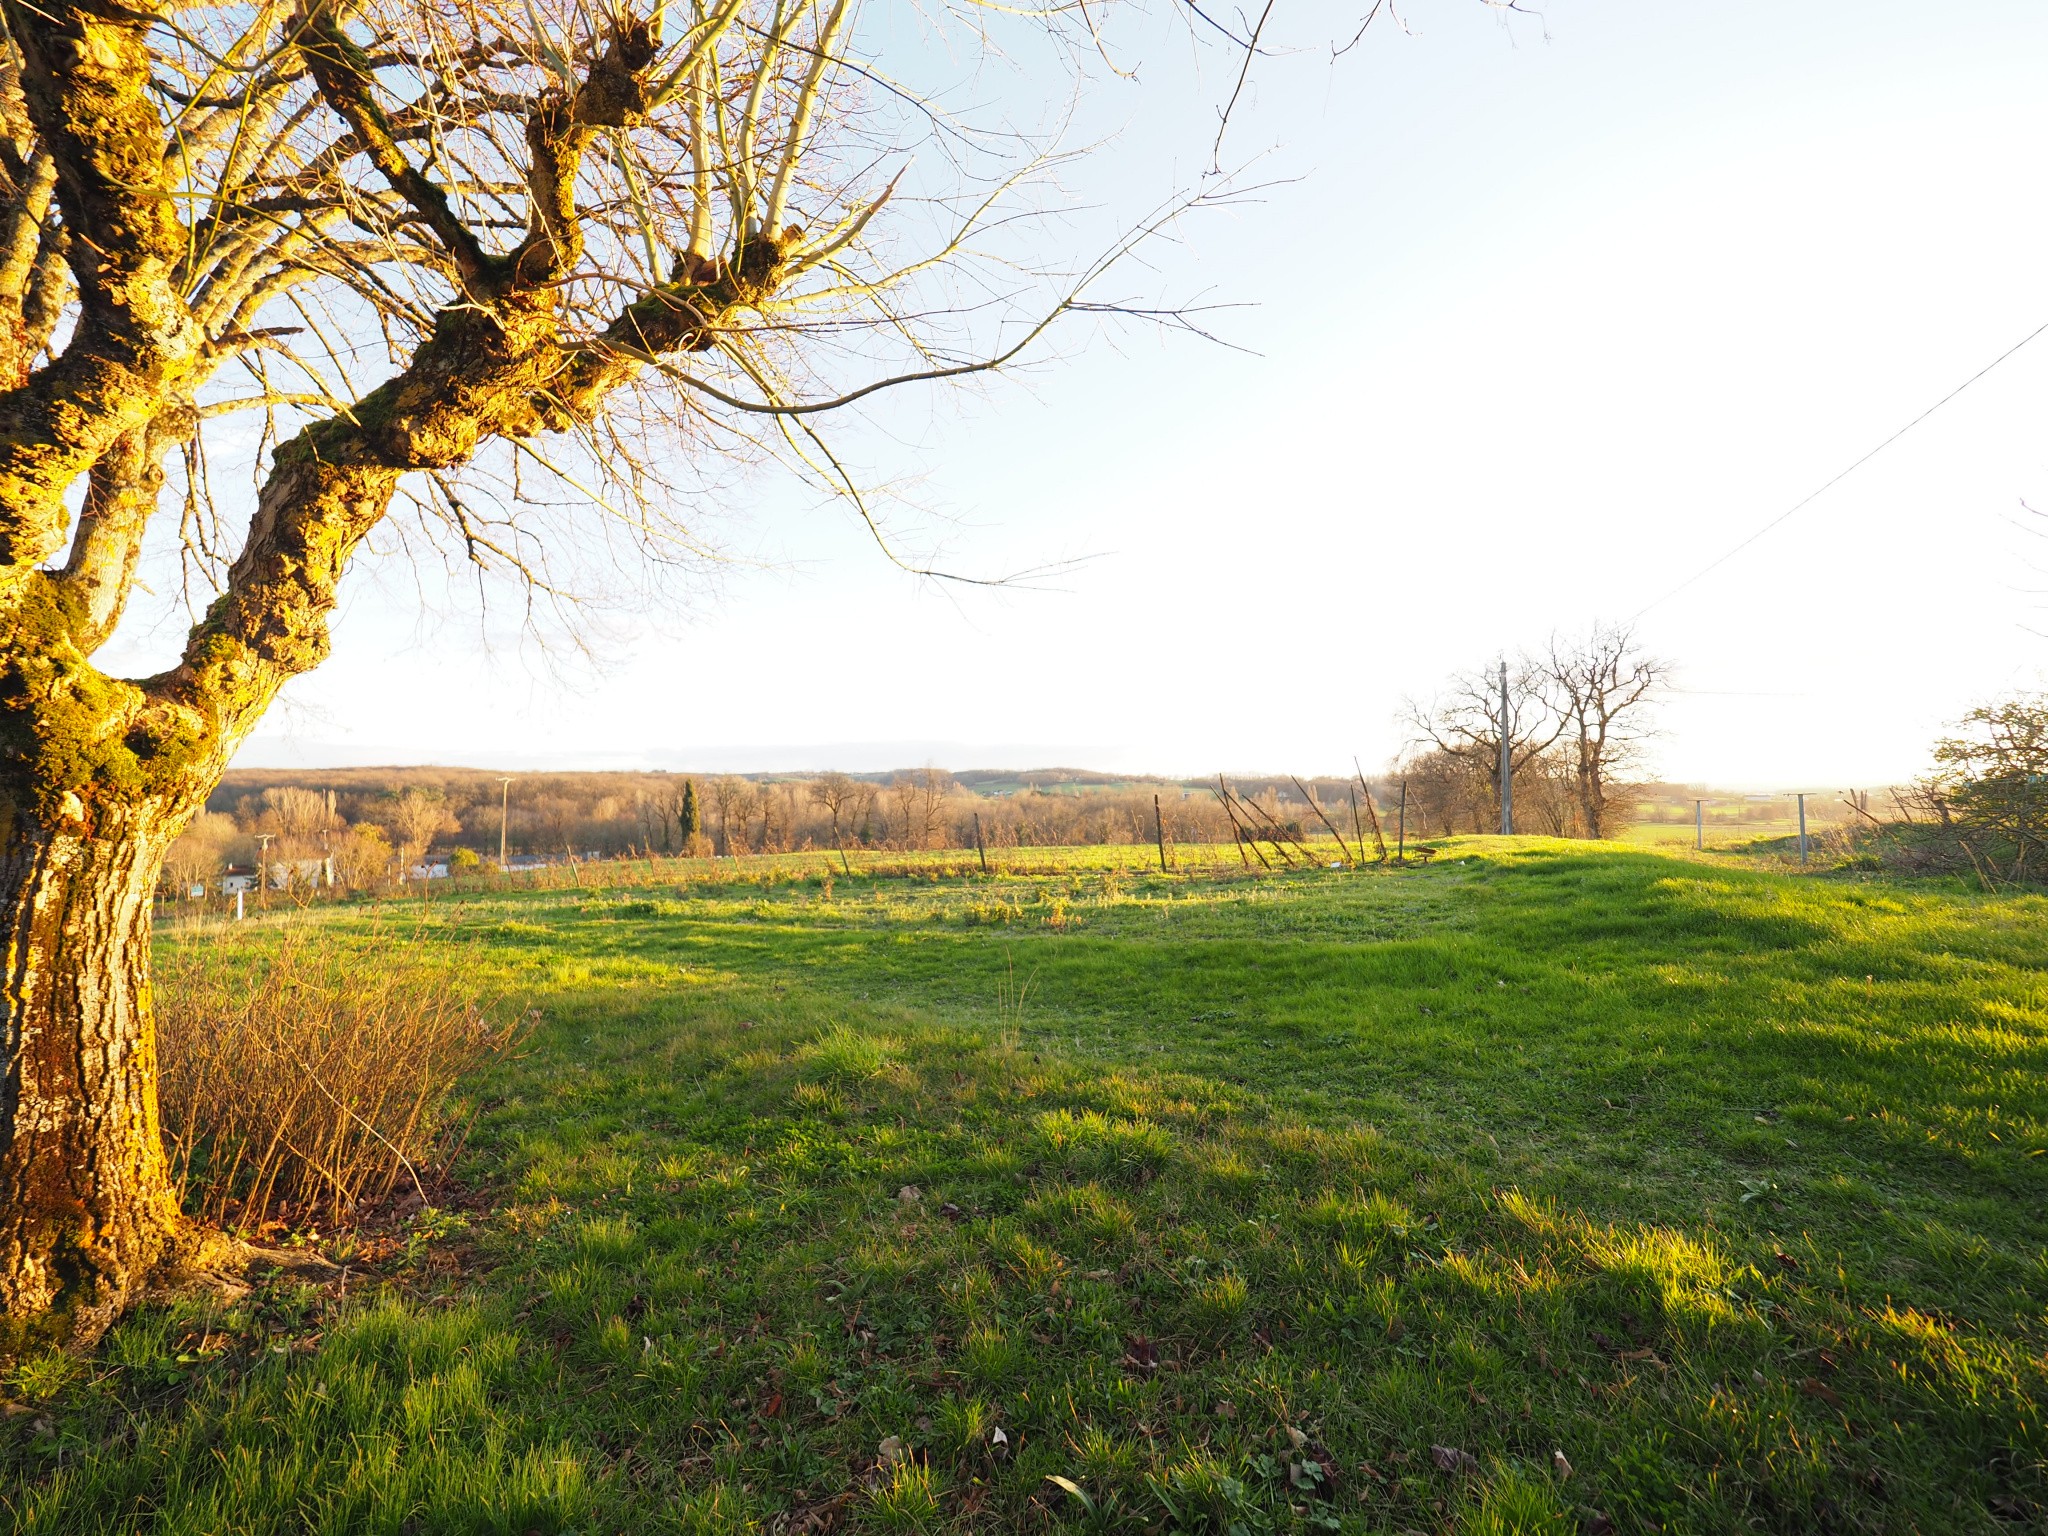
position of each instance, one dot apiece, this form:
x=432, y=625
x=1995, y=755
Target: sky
x=1536, y=318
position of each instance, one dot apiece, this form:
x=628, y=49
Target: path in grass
x=1317, y=1202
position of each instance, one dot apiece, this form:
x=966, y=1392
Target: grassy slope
x=1727, y=1185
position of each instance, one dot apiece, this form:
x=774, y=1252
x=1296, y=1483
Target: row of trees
x=1575, y=714
x=367, y=835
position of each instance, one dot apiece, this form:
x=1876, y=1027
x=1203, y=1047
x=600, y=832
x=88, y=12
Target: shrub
x=308, y=1081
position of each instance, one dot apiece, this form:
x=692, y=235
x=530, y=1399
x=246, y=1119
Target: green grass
x=1324, y=1201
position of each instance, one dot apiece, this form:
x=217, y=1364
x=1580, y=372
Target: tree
x=1604, y=687
x=361, y=856
x=300, y=815
x=418, y=816
x=202, y=849
x=732, y=798
x=1464, y=724
x=689, y=818
x=841, y=795
x=924, y=804
x=1989, y=789
x=459, y=258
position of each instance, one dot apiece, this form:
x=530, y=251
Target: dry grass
x=301, y=1082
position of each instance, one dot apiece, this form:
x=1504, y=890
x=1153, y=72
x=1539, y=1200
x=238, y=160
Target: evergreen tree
x=690, y=820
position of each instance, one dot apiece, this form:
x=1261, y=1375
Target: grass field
x=1548, y=1188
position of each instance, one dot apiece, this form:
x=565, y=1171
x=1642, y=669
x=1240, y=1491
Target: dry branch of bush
x=304, y=1083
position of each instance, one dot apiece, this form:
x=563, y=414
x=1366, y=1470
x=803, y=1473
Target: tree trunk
x=87, y=1210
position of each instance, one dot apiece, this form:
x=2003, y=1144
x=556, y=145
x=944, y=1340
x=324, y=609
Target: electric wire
x=1813, y=496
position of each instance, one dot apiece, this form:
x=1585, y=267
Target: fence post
x=1159, y=826
x=1802, y=829
x=1699, y=826
x=979, y=847
x=1401, y=830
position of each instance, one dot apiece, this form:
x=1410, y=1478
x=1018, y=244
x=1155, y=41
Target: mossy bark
x=87, y=1210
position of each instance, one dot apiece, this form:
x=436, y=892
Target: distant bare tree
x=362, y=856
x=925, y=802
x=202, y=848
x=298, y=815
x=1604, y=686
x=1463, y=723
x=844, y=798
x=732, y=800
x=418, y=816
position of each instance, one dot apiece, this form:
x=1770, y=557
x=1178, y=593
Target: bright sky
x=1543, y=324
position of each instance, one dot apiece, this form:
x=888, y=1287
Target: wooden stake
x=978, y=848
x=1373, y=811
x=1276, y=835
x=1311, y=799
x=1237, y=831
x=1159, y=826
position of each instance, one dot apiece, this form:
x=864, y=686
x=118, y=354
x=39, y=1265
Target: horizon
x=1108, y=776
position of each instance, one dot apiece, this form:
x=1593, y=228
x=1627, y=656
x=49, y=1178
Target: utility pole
x=262, y=870
x=1507, y=757
x=504, y=808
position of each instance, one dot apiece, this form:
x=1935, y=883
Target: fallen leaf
x=951, y=1211
x=910, y=1194
x=1785, y=1261
x=1564, y=1468
x=890, y=1451
x=1297, y=1438
x=1140, y=1353
x=1813, y=1386
x=1226, y=1410
x=1449, y=1458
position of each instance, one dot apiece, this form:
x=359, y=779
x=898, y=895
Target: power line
x=1814, y=496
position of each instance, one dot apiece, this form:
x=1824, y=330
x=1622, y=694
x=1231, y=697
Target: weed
x=305, y=1080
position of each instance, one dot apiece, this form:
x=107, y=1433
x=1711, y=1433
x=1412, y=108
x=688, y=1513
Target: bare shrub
x=306, y=1081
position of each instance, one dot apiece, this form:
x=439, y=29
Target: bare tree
x=1605, y=687
x=362, y=856
x=732, y=800
x=924, y=798
x=203, y=848
x=418, y=816
x=842, y=797
x=1464, y=724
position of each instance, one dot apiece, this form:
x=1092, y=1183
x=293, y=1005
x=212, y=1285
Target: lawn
x=1547, y=1188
